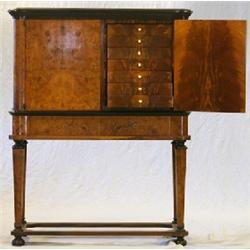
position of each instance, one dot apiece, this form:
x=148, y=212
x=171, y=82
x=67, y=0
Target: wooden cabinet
x=120, y=74
x=85, y=64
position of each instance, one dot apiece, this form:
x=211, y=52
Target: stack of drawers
x=139, y=68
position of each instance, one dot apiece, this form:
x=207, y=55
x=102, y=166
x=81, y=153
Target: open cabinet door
x=209, y=65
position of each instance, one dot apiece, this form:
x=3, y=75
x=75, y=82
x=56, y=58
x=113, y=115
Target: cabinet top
x=78, y=13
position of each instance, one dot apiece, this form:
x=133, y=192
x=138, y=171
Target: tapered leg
x=179, y=174
x=19, y=171
x=174, y=178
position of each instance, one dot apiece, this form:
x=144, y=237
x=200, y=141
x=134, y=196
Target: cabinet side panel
x=19, y=71
x=63, y=65
x=209, y=65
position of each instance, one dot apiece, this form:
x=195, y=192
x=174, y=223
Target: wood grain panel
x=105, y=127
x=209, y=65
x=137, y=64
x=146, y=77
x=62, y=65
x=146, y=53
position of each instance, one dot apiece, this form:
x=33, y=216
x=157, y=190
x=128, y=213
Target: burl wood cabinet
x=119, y=74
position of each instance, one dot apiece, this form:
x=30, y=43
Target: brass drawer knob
x=139, y=29
x=139, y=76
x=139, y=64
x=139, y=88
x=140, y=101
x=138, y=52
x=139, y=41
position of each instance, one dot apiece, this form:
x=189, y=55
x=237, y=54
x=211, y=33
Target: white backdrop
x=131, y=180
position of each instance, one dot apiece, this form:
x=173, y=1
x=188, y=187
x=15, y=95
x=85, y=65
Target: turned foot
x=180, y=241
x=18, y=241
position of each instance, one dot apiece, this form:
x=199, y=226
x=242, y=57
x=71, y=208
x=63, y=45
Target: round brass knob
x=140, y=101
x=139, y=64
x=139, y=88
x=139, y=76
x=138, y=52
x=139, y=29
x=139, y=40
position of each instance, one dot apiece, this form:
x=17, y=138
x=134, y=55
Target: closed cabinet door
x=62, y=65
x=139, y=68
x=209, y=65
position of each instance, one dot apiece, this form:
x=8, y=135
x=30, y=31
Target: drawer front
x=139, y=66
x=135, y=65
x=138, y=77
x=129, y=95
x=146, y=35
x=145, y=41
x=139, y=53
x=139, y=29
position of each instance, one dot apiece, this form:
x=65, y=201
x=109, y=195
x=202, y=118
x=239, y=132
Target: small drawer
x=139, y=53
x=134, y=96
x=136, y=30
x=142, y=101
x=130, y=89
x=143, y=41
x=135, y=64
x=138, y=77
x=139, y=101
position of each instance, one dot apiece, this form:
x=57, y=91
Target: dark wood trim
x=118, y=112
x=100, y=224
x=117, y=14
x=171, y=233
x=51, y=137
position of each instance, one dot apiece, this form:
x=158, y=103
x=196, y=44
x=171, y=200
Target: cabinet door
x=62, y=65
x=209, y=65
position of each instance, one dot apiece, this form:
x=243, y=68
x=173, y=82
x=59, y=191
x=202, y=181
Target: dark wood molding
x=179, y=144
x=101, y=224
x=19, y=144
x=117, y=14
x=112, y=112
